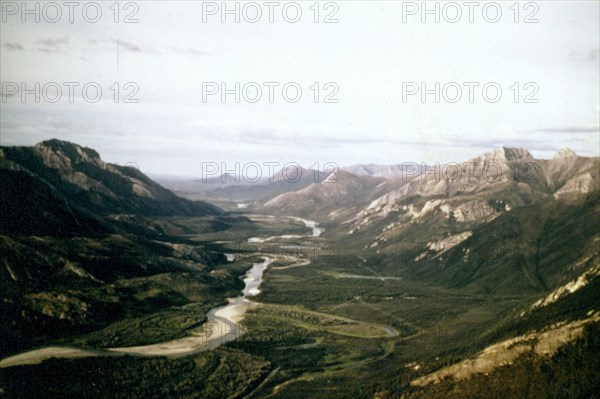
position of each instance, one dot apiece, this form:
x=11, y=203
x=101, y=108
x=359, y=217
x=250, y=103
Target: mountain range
x=88, y=245
x=503, y=224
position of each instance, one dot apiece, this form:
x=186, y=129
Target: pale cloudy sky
x=369, y=54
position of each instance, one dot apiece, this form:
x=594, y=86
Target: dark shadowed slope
x=58, y=188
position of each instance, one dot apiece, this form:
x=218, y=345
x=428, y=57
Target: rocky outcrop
x=544, y=343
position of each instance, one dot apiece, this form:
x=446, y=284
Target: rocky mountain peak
x=565, y=153
x=71, y=150
x=511, y=154
x=64, y=155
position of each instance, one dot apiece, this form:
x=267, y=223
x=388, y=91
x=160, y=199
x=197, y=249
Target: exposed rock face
x=565, y=153
x=510, y=154
x=567, y=289
x=544, y=343
x=577, y=185
x=569, y=176
x=509, y=175
x=472, y=211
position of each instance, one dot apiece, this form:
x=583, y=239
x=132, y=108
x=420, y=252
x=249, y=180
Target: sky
x=368, y=61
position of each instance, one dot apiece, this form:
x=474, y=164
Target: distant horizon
x=279, y=167
x=456, y=153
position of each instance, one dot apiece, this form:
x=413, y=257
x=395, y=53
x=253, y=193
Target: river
x=316, y=230
x=222, y=325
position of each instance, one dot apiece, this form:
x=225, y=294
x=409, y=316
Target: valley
x=222, y=323
x=407, y=206
x=369, y=287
